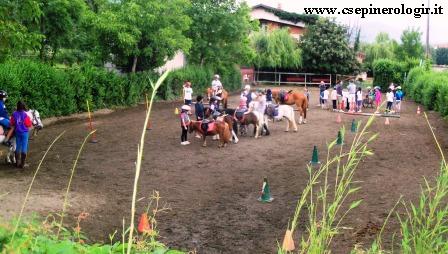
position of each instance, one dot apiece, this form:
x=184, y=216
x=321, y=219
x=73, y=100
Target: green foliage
x=38, y=237
x=18, y=20
x=200, y=78
x=382, y=48
x=294, y=17
x=411, y=45
x=326, y=49
x=58, y=24
x=441, y=56
x=142, y=34
x=56, y=92
x=386, y=71
x=276, y=49
x=429, y=88
x=219, y=33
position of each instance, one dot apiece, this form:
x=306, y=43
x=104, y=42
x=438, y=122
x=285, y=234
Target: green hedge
x=57, y=92
x=200, y=78
x=386, y=71
x=429, y=88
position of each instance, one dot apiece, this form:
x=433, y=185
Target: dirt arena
x=213, y=192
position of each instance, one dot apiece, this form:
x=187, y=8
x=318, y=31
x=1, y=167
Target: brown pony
x=222, y=129
x=227, y=116
x=224, y=96
x=297, y=98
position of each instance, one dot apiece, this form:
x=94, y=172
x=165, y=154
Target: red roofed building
x=268, y=20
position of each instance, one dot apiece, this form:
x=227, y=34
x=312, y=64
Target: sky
x=371, y=25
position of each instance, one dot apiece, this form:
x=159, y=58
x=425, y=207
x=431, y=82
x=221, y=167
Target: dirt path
x=213, y=192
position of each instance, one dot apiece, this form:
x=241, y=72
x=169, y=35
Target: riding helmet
x=3, y=94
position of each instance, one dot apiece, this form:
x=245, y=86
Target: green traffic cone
x=340, y=140
x=354, y=126
x=265, y=192
x=315, y=157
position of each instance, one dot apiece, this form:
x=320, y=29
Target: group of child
x=352, y=98
x=18, y=125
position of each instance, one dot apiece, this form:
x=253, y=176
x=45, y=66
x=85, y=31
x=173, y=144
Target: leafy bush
x=386, y=71
x=200, y=78
x=429, y=88
x=56, y=92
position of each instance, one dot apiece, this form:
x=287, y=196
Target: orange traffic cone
x=387, y=121
x=144, y=227
x=338, y=118
x=418, y=110
x=288, y=242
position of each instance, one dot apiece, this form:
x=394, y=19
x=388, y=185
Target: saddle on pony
x=208, y=126
x=239, y=114
x=272, y=110
x=284, y=95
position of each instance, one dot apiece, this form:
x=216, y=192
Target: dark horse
x=244, y=121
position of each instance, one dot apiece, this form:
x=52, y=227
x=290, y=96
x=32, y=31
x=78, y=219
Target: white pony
x=37, y=125
x=253, y=105
x=278, y=112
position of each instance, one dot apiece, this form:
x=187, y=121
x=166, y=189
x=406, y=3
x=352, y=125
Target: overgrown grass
x=424, y=225
x=324, y=198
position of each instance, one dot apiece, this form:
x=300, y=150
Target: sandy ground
x=213, y=192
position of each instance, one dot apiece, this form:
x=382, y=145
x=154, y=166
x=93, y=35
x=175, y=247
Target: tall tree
x=143, y=34
x=18, y=23
x=276, y=49
x=326, y=49
x=382, y=48
x=220, y=32
x=411, y=45
x=58, y=24
x=441, y=56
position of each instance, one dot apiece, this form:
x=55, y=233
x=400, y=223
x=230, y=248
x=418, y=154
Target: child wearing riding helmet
x=378, y=99
x=20, y=125
x=4, y=116
x=184, y=123
x=398, y=98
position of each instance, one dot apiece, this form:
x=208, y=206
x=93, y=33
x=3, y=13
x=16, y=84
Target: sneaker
x=198, y=136
x=187, y=142
x=183, y=143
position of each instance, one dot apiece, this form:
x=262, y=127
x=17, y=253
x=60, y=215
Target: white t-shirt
x=351, y=88
x=345, y=94
x=188, y=93
x=390, y=96
x=326, y=94
x=359, y=95
x=216, y=84
x=334, y=94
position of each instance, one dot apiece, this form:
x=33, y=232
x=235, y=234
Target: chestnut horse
x=228, y=118
x=224, y=96
x=222, y=129
x=297, y=98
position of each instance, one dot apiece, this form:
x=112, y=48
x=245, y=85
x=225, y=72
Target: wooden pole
x=93, y=137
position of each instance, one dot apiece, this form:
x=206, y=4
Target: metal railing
x=292, y=78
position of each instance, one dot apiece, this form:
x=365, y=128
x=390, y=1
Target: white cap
x=186, y=107
x=247, y=87
x=216, y=76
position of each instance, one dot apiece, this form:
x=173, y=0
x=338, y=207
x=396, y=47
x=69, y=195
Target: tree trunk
x=134, y=64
